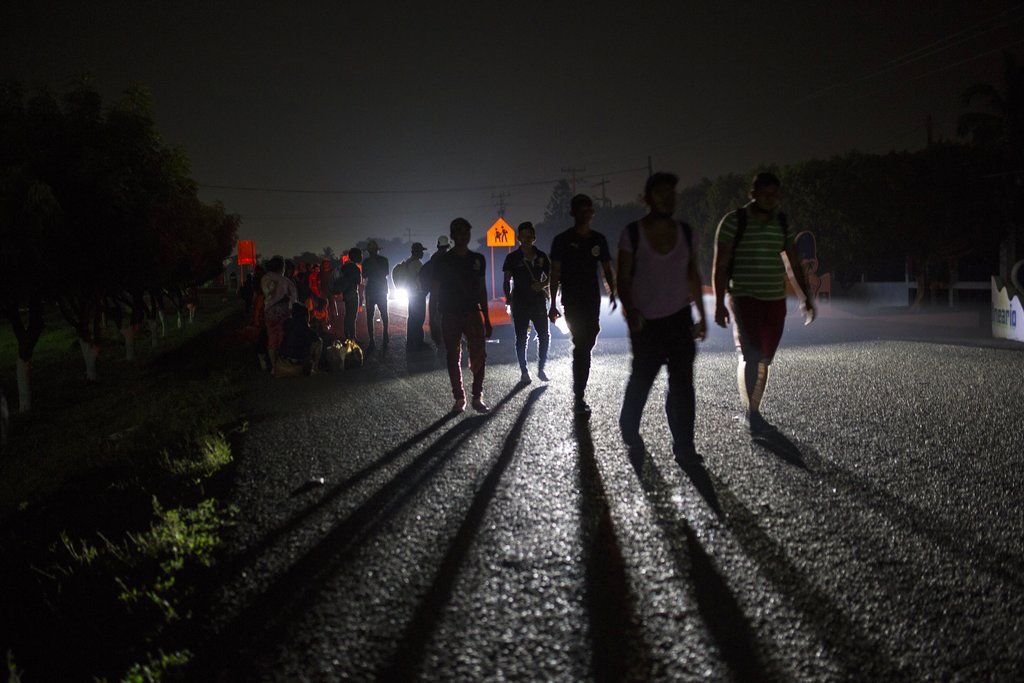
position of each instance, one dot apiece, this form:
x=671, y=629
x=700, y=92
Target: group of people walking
x=655, y=277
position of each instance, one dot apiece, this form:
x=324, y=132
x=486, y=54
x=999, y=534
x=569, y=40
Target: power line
x=899, y=63
x=958, y=33
x=573, y=170
x=436, y=190
x=532, y=183
x=935, y=71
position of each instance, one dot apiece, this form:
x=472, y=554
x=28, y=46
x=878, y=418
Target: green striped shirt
x=758, y=270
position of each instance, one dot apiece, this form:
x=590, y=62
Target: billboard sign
x=246, y=253
x=1007, y=314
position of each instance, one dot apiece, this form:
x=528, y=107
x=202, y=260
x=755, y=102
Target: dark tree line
x=98, y=217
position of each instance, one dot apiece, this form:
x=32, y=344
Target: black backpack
x=741, y=227
x=634, y=238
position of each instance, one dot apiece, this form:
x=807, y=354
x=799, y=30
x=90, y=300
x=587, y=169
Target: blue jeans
x=536, y=313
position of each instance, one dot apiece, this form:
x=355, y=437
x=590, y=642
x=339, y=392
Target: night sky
x=425, y=96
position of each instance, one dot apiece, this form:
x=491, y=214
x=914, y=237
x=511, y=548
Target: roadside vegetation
x=110, y=512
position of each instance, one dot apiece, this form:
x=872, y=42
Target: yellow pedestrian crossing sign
x=501, y=234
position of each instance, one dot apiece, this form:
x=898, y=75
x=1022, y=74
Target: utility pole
x=604, y=197
x=500, y=201
x=573, y=170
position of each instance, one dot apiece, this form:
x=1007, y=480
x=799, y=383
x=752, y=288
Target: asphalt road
x=879, y=538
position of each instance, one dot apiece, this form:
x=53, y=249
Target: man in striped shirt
x=748, y=264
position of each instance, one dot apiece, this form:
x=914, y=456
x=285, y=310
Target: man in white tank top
x=659, y=277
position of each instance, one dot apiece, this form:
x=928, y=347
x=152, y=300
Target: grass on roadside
x=75, y=427
x=109, y=517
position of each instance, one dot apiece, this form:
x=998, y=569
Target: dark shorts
x=757, y=326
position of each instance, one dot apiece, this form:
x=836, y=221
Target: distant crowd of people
x=656, y=277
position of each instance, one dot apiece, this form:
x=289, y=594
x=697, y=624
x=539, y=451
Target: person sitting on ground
x=301, y=346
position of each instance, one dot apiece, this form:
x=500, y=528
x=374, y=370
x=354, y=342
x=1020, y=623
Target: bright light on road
x=400, y=295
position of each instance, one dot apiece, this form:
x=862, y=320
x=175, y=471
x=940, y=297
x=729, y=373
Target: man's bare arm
x=609, y=283
x=625, y=281
x=556, y=277
x=720, y=280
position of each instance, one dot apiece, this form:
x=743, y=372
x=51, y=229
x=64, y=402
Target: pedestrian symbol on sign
x=501, y=234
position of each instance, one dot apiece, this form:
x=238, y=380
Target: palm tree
x=1000, y=126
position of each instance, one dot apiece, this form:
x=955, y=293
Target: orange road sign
x=501, y=234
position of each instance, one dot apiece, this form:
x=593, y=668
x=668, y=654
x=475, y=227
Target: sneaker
x=524, y=377
x=460, y=405
x=581, y=408
x=479, y=405
x=542, y=376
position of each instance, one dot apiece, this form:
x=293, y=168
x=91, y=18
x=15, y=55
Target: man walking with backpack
x=658, y=278
x=527, y=269
x=748, y=265
x=407, y=276
x=576, y=254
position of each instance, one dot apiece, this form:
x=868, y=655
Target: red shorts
x=757, y=326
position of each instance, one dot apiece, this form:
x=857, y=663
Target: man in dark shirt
x=375, y=277
x=526, y=290
x=575, y=255
x=426, y=279
x=347, y=284
x=458, y=280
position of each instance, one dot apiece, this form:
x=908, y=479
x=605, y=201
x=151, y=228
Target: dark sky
x=412, y=96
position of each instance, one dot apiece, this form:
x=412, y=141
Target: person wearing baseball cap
x=444, y=243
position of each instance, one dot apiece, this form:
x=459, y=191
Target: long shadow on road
x=413, y=644
x=618, y=649
x=859, y=653
x=727, y=625
x=995, y=562
x=240, y=647
x=785, y=450
x=246, y=558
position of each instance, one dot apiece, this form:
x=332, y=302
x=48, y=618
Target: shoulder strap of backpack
x=688, y=233
x=741, y=227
